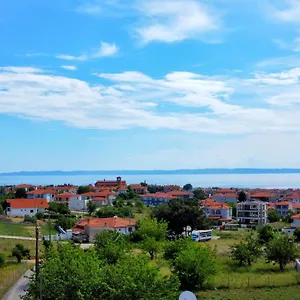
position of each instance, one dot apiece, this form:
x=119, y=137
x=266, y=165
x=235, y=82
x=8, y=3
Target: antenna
x=187, y=295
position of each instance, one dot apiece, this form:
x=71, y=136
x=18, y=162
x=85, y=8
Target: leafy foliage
x=195, y=266
x=30, y=219
x=20, y=193
x=111, y=246
x=39, y=215
x=19, y=252
x=179, y=213
x=288, y=218
x=199, y=194
x=273, y=216
x=242, y=196
x=265, y=233
x=91, y=207
x=173, y=248
x=281, y=250
x=83, y=190
x=297, y=234
x=65, y=222
x=188, y=187
x=109, y=211
x=60, y=208
x=246, y=251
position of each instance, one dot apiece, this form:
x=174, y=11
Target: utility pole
x=36, y=252
x=49, y=224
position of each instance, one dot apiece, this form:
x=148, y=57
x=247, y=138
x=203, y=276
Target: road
x=17, y=237
x=18, y=289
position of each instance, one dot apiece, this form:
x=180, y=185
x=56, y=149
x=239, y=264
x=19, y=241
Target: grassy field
x=6, y=246
x=10, y=274
x=282, y=293
x=16, y=229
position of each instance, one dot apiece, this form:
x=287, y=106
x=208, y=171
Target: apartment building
x=252, y=213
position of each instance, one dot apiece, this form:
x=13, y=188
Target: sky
x=149, y=84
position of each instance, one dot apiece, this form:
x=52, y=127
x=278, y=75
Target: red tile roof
x=262, y=195
x=114, y=222
x=28, y=203
x=66, y=195
x=41, y=192
x=282, y=203
x=180, y=193
x=296, y=216
x=89, y=194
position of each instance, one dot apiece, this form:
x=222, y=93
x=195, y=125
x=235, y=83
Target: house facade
x=23, y=207
x=252, y=213
x=156, y=199
x=216, y=210
x=139, y=189
x=47, y=194
x=225, y=198
x=90, y=227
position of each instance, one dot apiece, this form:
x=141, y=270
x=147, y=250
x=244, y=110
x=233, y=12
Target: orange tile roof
x=89, y=194
x=180, y=193
x=28, y=203
x=138, y=186
x=262, y=195
x=282, y=203
x=296, y=216
x=41, y=192
x=114, y=222
x=19, y=186
x=99, y=199
x=66, y=195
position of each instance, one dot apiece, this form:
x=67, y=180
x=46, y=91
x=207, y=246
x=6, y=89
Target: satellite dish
x=187, y=296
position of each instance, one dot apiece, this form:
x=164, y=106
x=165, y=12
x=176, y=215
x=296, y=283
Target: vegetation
x=281, y=250
x=60, y=208
x=83, y=190
x=297, y=234
x=15, y=229
x=30, y=219
x=199, y=194
x=2, y=260
x=65, y=222
x=20, y=193
x=179, y=213
x=109, y=211
x=39, y=215
x=19, y=252
x=188, y=187
x=265, y=234
x=273, y=216
x=242, y=196
x=91, y=207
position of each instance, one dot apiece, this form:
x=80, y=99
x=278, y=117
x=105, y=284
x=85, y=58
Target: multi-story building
x=156, y=199
x=47, y=194
x=252, y=213
x=118, y=184
x=216, y=210
x=227, y=197
x=139, y=189
x=23, y=207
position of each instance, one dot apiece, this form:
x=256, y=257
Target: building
x=71, y=200
x=216, y=210
x=104, y=198
x=47, y=194
x=118, y=185
x=283, y=208
x=139, y=189
x=171, y=187
x=23, y=207
x=296, y=221
x=66, y=189
x=181, y=194
x=156, y=199
x=264, y=196
x=90, y=227
x=252, y=213
x=225, y=198
x=24, y=186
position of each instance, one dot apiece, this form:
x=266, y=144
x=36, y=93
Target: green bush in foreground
x=2, y=260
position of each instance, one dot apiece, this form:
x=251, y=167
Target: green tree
x=246, y=251
x=242, y=196
x=1, y=208
x=199, y=194
x=173, y=248
x=65, y=222
x=60, y=208
x=19, y=252
x=39, y=215
x=265, y=234
x=2, y=260
x=152, y=235
x=20, y=193
x=111, y=246
x=188, y=187
x=83, y=190
x=91, y=207
x=281, y=250
x=179, y=213
x=288, y=218
x=233, y=206
x=273, y=216
x=297, y=234
x=195, y=266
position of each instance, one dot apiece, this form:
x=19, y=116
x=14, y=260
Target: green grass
x=281, y=293
x=280, y=225
x=9, y=274
x=16, y=229
x=44, y=229
x=6, y=246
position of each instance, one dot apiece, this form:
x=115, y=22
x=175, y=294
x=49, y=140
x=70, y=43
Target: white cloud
x=290, y=13
x=293, y=46
x=175, y=20
x=90, y=9
x=70, y=68
x=133, y=99
x=105, y=50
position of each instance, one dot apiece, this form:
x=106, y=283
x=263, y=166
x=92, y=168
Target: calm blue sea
x=227, y=180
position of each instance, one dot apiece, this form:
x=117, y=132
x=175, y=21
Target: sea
x=282, y=181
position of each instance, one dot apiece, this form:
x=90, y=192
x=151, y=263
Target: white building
x=22, y=207
x=296, y=221
x=90, y=227
x=252, y=213
x=216, y=210
x=39, y=194
x=225, y=198
x=73, y=201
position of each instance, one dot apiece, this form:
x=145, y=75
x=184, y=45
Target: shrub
x=39, y=215
x=2, y=260
x=30, y=219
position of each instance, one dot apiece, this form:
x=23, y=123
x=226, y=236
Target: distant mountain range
x=156, y=172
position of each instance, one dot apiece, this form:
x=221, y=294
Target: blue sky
x=149, y=84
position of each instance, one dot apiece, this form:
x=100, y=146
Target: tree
x=19, y=252
x=246, y=251
x=60, y=208
x=111, y=246
x=174, y=248
x=179, y=213
x=83, y=190
x=65, y=222
x=152, y=235
x=21, y=193
x=297, y=234
x=281, y=250
x=188, y=187
x=199, y=194
x=265, y=234
x=91, y=207
x=273, y=216
x=242, y=196
x=39, y=215
x=2, y=260
x=195, y=266
x=233, y=206
x=288, y=217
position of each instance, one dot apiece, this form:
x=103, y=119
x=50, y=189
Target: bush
x=297, y=234
x=265, y=234
x=30, y=219
x=19, y=252
x=2, y=260
x=39, y=215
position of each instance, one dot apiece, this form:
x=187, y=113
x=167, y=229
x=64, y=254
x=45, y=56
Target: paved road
x=18, y=288
x=17, y=237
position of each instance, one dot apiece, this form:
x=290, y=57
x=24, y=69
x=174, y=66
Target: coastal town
x=119, y=221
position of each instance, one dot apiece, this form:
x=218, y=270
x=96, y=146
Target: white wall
x=21, y=212
x=296, y=223
x=76, y=203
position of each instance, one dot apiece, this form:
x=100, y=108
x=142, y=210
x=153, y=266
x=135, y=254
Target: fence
x=9, y=279
x=58, y=237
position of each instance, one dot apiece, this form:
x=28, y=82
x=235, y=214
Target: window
x=31, y=211
x=130, y=229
